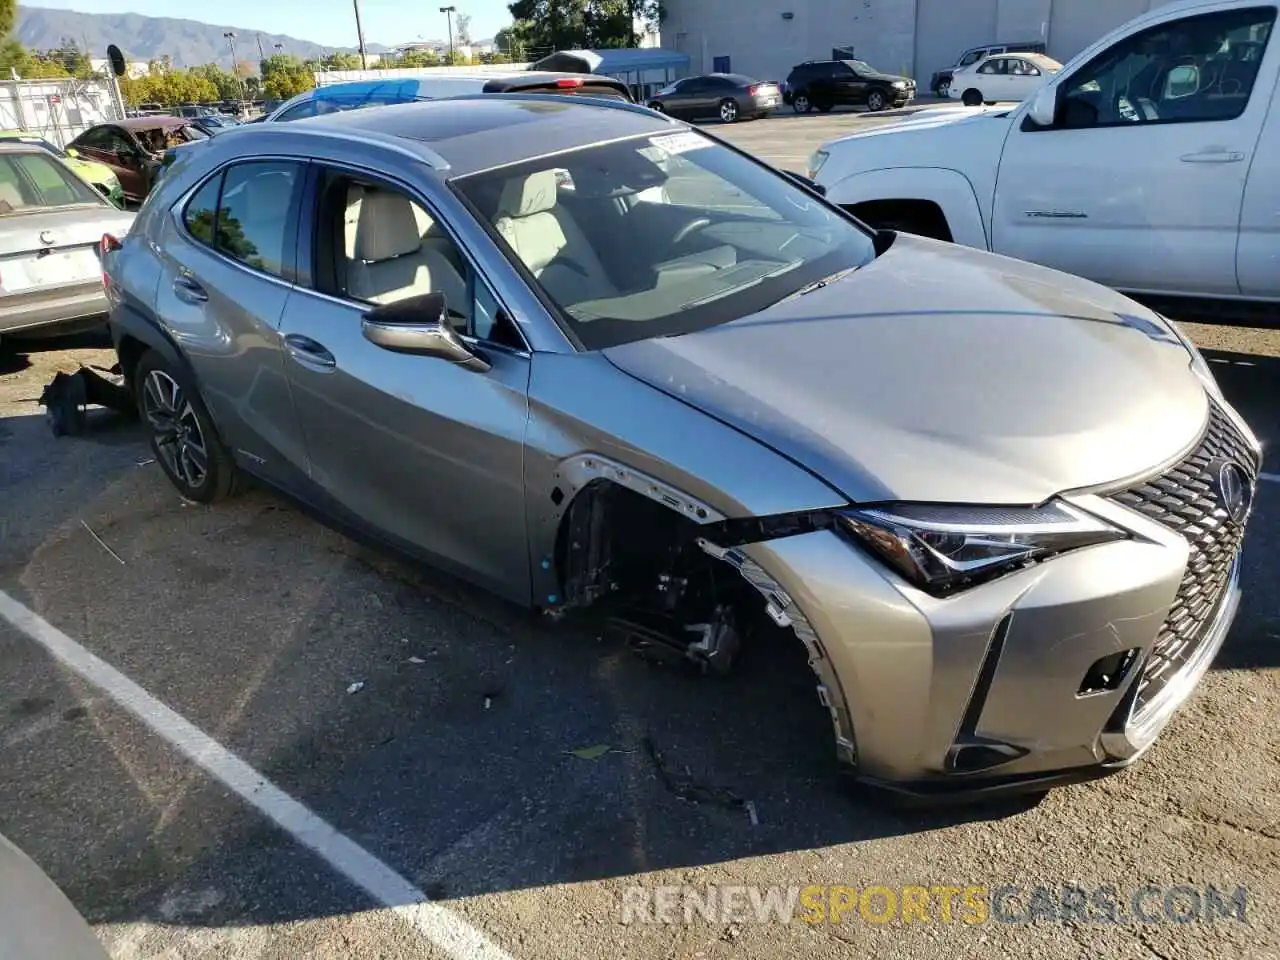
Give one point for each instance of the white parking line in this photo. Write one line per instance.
(448, 931)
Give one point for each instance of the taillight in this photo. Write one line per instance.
(107, 244)
(567, 82)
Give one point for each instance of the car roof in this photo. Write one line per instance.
(478, 132)
(14, 145)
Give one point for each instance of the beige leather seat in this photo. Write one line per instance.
(391, 263)
(549, 242)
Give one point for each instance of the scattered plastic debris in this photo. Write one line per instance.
(146, 463)
(591, 753)
(488, 702)
(751, 812)
(356, 687)
(102, 543)
(415, 660)
(684, 786)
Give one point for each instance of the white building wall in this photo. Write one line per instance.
(915, 37)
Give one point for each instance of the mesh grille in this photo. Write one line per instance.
(1186, 499)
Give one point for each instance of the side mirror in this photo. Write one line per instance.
(805, 182)
(1044, 107)
(420, 325)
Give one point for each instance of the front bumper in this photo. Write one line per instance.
(1060, 672)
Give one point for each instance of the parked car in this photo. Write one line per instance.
(825, 84)
(1002, 78)
(51, 227)
(500, 346)
(728, 96)
(1147, 164)
(99, 175)
(337, 97)
(37, 918)
(134, 148)
(940, 82)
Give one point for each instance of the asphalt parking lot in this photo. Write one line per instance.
(500, 766)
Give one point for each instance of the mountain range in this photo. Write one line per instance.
(187, 42)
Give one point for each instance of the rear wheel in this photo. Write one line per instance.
(183, 437)
(728, 111)
(944, 89)
(972, 98)
(800, 103)
(876, 101)
(825, 107)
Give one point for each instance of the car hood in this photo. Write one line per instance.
(91, 170)
(888, 77)
(940, 373)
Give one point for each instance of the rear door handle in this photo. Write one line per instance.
(1212, 156)
(309, 353)
(188, 291)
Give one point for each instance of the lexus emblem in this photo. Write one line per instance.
(46, 237)
(1233, 489)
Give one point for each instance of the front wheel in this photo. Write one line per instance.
(728, 111)
(972, 98)
(876, 101)
(801, 103)
(182, 434)
(944, 89)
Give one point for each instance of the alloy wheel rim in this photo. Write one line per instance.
(802, 103)
(728, 112)
(175, 428)
(876, 101)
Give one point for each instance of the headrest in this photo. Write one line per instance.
(387, 227)
(536, 193)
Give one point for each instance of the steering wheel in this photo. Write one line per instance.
(683, 233)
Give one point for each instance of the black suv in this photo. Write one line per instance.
(828, 83)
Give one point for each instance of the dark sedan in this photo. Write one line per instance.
(728, 96)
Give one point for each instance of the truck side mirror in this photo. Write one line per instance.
(1044, 107)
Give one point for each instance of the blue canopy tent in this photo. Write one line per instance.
(644, 69)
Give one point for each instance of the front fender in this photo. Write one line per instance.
(949, 189)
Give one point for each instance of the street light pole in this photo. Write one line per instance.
(364, 60)
(231, 42)
(448, 12)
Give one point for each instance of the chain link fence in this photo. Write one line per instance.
(58, 110)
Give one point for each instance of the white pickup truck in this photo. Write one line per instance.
(1150, 163)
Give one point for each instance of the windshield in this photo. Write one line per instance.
(661, 235)
(31, 182)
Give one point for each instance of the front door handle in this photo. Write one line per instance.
(188, 291)
(1212, 156)
(309, 353)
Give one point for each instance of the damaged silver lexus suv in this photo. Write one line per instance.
(589, 357)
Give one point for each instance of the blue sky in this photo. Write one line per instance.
(330, 22)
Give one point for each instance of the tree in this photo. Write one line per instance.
(285, 76)
(8, 18)
(545, 25)
(462, 29)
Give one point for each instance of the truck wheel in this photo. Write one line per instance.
(972, 98)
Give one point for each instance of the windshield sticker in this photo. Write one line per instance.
(677, 143)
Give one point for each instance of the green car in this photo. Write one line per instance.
(99, 175)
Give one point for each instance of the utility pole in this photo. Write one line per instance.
(448, 12)
(364, 60)
(261, 56)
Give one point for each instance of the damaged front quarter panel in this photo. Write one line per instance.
(642, 515)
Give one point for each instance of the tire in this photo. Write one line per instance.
(944, 89)
(728, 111)
(876, 101)
(800, 103)
(182, 434)
(657, 107)
(972, 98)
